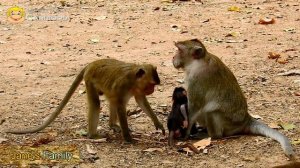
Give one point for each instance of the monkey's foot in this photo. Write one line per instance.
(129, 140)
(158, 125)
(116, 128)
(97, 136)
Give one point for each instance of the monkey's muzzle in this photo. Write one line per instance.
(149, 89)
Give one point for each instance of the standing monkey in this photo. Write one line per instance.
(178, 117)
(118, 81)
(215, 98)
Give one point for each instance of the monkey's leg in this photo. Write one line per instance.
(192, 120)
(214, 124)
(188, 130)
(121, 110)
(171, 138)
(93, 113)
(113, 118)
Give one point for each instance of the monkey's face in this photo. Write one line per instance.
(147, 78)
(179, 95)
(180, 59)
(188, 51)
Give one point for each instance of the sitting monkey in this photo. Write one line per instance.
(215, 99)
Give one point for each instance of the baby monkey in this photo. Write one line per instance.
(178, 117)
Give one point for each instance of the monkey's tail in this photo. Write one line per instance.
(63, 103)
(259, 128)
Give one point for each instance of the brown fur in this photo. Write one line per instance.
(215, 98)
(118, 81)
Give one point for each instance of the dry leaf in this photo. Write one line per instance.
(234, 9)
(290, 49)
(186, 150)
(234, 41)
(90, 150)
(3, 140)
(282, 61)
(256, 116)
(273, 55)
(290, 30)
(274, 126)
(153, 150)
(100, 140)
(100, 18)
(266, 21)
(290, 73)
(287, 126)
(232, 34)
(167, 162)
(43, 140)
(167, 1)
(296, 142)
(250, 158)
(81, 132)
(93, 41)
(202, 143)
(297, 93)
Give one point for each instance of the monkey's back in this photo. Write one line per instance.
(222, 87)
(110, 75)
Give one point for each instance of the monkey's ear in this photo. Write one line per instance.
(196, 40)
(180, 46)
(198, 52)
(140, 72)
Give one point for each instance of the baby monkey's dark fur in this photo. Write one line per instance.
(177, 116)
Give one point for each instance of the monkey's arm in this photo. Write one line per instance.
(144, 105)
(184, 113)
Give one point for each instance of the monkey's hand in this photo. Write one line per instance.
(158, 125)
(185, 124)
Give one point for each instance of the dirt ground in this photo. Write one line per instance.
(40, 59)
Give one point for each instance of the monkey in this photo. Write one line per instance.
(215, 99)
(178, 117)
(293, 164)
(118, 81)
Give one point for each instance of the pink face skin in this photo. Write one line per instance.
(149, 89)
